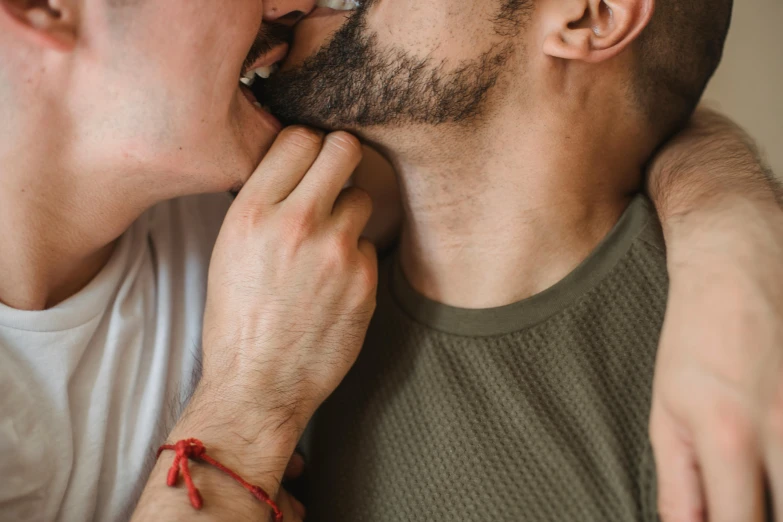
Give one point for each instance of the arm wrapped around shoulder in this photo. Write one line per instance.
(717, 415)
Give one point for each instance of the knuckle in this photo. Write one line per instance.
(368, 278)
(734, 435)
(248, 217)
(299, 225)
(303, 138)
(345, 143)
(338, 253)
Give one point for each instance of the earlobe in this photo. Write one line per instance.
(596, 30)
(47, 23)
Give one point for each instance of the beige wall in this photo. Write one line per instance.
(749, 85)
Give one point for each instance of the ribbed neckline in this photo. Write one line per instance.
(90, 301)
(535, 309)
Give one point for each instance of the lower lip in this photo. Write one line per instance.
(270, 120)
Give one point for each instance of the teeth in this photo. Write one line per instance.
(262, 72)
(339, 5)
(257, 105)
(248, 78)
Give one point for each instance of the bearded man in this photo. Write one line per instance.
(126, 270)
(508, 371)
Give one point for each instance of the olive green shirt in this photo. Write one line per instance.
(533, 411)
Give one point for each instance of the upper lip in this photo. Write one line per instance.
(270, 58)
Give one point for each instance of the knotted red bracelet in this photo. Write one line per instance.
(194, 449)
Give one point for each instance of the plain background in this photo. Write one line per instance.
(749, 84)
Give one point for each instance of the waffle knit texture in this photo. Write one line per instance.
(536, 411)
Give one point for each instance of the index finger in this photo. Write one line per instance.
(334, 166)
(282, 169)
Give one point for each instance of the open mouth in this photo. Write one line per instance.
(251, 82)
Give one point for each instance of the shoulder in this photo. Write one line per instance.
(647, 256)
(651, 234)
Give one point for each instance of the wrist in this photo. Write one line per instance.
(238, 435)
(724, 221)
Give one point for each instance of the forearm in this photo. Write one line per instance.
(723, 225)
(291, 290)
(719, 206)
(257, 451)
(710, 166)
(716, 398)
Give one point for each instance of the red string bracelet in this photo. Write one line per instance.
(194, 449)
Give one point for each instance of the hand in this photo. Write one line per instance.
(717, 414)
(290, 294)
(291, 284)
(716, 424)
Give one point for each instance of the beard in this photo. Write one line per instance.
(353, 82)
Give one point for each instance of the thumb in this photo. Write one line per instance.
(293, 510)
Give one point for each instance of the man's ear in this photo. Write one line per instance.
(47, 23)
(594, 30)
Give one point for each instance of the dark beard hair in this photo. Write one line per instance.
(352, 82)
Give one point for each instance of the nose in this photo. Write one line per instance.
(287, 11)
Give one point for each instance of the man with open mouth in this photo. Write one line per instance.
(519, 315)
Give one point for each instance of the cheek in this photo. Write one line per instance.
(166, 100)
(173, 110)
(450, 30)
(161, 124)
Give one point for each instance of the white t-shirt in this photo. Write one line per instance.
(90, 388)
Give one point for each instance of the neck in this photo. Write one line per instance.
(57, 230)
(504, 213)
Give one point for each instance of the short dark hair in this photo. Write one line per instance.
(677, 54)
